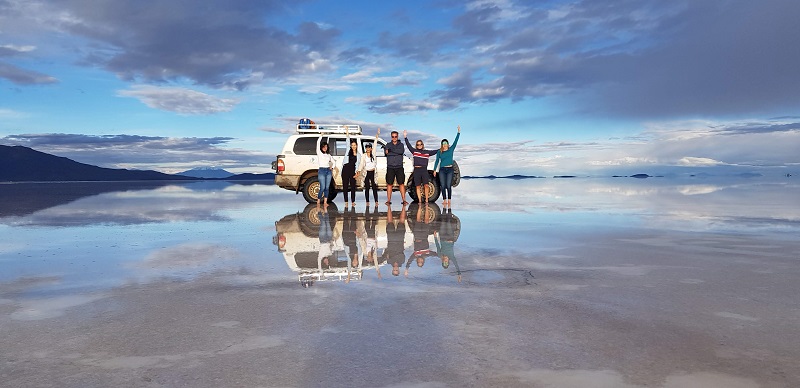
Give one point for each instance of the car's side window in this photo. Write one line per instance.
(379, 149)
(305, 146)
(339, 146)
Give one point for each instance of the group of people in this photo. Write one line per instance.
(359, 243)
(364, 164)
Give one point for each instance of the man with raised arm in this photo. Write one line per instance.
(394, 167)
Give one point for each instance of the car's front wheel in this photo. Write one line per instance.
(311, 190)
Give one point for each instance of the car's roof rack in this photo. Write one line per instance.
(354, 129)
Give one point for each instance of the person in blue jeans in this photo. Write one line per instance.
(325, 172)
(444, 160)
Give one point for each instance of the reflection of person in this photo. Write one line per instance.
(394, 253)
(325, 172)
(368, 241)
(349, 236)
(367, 168)
(421, 229)
(445, 240)
(445, 156)
(349, 169)
(326, 248)
(394, 168)
(420, 174)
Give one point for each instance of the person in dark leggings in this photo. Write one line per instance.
(420, 174)
(367, 168)
(349, 172)
(445, 157)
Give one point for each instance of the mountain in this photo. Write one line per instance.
(207, 172)
(23, 164)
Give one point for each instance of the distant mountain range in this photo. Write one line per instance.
(23, 164)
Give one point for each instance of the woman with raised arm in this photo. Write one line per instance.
(367, 169)
(445, 157)
(349, 172)
(420, 173)
(325, 172)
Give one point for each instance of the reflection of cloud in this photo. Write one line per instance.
(662, 203)
(172, 203)
(36, 309)
(191, 255)
(612, 378)
(698, 189)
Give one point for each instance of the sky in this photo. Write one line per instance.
(539, 88)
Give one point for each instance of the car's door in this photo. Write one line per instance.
(338, 147)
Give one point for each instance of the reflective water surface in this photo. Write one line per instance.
(622, 282)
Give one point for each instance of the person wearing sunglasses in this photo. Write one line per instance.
(420, 174)
(394, 168)
(445, 156)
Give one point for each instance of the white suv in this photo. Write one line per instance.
(296, 167)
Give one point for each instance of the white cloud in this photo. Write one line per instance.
(698, 162)
(11, 114)
(19, 49)
(179, 100)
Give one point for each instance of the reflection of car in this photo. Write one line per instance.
(297, 238)
(296, 167)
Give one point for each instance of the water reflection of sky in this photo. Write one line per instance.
(98, 239)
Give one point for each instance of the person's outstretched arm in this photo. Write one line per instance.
(408, 143)
(453, 146)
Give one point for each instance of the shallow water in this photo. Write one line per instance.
(695, 279)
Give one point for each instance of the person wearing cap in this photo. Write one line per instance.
(367, 170)
(445, 156)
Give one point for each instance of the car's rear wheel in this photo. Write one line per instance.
(456, 174)
(433, 189)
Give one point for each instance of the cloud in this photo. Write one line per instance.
(630, 59)
(696, 162)
(622, 58)
(11, 50)
(289, 125)
(11, 114)
(216, 44)
(143, 152)
(665, 147)
(367, 75)
(21, 76)
(179, 100)
(397, 103)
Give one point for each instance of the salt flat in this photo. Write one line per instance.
(548, 283)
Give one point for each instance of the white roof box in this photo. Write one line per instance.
(329, 128)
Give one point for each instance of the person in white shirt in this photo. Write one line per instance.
(367, 170)
(325, 172)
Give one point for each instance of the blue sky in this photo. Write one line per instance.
(538, 87)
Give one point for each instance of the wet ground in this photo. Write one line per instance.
(523, 283)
